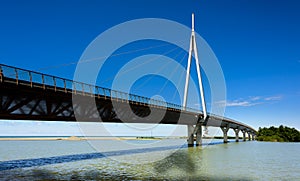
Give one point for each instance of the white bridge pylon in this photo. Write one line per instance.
(198, 128)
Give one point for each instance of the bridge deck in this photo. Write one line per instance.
(28, 95)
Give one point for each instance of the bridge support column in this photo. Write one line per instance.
(253, 137)
(190, 139)
(244, 135)
(199, 135)
(249, 136)
(237, 134)
(225, 131)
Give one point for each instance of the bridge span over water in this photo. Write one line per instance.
(29, 95)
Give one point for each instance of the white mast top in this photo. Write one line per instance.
(192, 21)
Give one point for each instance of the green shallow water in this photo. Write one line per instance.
(233, 161)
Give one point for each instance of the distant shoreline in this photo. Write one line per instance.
(83, 138)
(75, 138)
(71, 138)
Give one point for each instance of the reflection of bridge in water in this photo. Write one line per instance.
(28, 95)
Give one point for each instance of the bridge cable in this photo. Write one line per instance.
(161, 68)
(172, 73)
(137, 66)
(180, 78)
(101, 58)
(96, 59)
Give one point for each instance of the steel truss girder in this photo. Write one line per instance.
(20, 102)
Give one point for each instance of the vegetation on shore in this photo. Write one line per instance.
(281, 134)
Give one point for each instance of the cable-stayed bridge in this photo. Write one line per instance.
(30, 95)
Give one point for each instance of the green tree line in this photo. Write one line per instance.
(281, 134)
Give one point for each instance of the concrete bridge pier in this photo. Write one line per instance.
(244, 135)
(225, 131)
(190, 139)
(199, 135)
(237, 134)
(253, 137)
(249, 136)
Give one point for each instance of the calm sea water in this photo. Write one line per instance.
(78, 160)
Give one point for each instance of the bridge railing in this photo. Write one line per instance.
(47, 82)
(44, 81)
(228, 120)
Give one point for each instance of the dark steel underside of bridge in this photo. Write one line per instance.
(20, 102)
(46, 103)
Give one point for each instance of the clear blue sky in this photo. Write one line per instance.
(257, 43)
